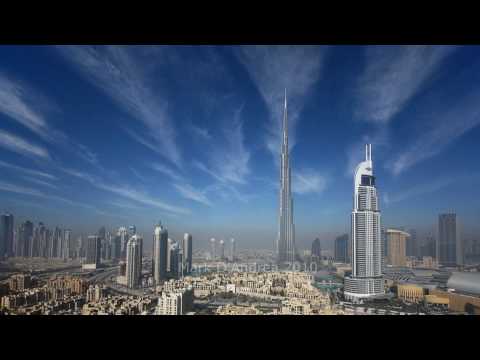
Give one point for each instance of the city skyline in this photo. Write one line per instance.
(115, 136)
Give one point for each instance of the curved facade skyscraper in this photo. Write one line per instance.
(286, 232)
(134, 261)
(160, 249)
(366, 280)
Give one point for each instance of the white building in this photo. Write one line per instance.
(177, 302)
(367, 253)
(134, 261)
(160, 253)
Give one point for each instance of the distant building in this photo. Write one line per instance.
(213, 248)
(132, 230)
(160, 253)
(94, 293)
(232, 250)
(428, 247)
(449, 244)
(6, 235)
(67, 234)
(187, 253)
(221, 249)
(93, 253)
(19, 282)
(341, 249)
(412, 244)
(316, 249)
(123, 234)
(116, 247)
(397, 247)
(25, 239)
(134, 261)
(173, 258)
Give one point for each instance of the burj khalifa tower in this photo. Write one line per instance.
(286, 232)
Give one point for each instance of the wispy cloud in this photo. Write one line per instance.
(23, 104)
(20, 146)
(307, 181)
(12, 188)
(40, 182)
(122, 75)
(161, 168)
(16, 102)
(27, 171)
(188, 192)
(430, 187)
(127, 192)
(393, 75)
(19, 189)
(86, 154)
(228, 159)
(138, 174)
(449, 125)
(199, 132)
(125, 205)
(274, 68)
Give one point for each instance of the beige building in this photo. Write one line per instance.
(412, 293)
(396, 247)
(230, 309)
(458, 302)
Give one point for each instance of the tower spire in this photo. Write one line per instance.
(368, 152)
(285, 121)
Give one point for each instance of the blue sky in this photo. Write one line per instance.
(93, 136)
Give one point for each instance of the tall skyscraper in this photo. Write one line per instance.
(160, 249)
(67, 234)
(221, 249)
(341, 249)
(187, 253)
(123, 233)
(116, 247)
(132, 230)
(428, 248)
(366, 279)
(134, 261)
(397, 241)
(6, 235)
(56, 243)
(25, 239)
(93, 253)
(449, 243)
(286, 232)
(232, 250)
(316, 248)
(42, 239)
(213, 248)
(173, 259)
(412, 244)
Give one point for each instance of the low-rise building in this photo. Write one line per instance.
(177, 302)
